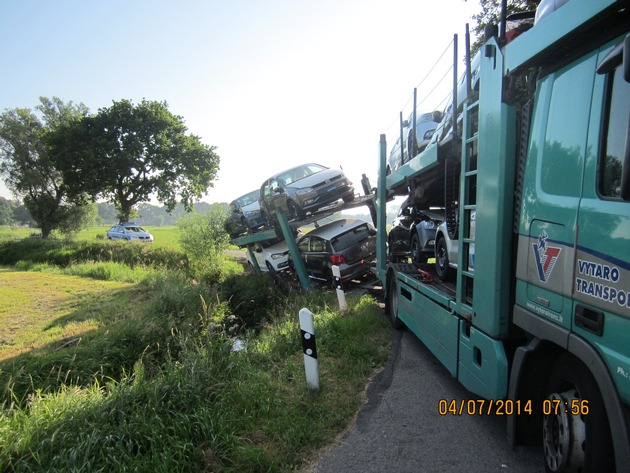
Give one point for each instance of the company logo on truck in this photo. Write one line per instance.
(546, 256)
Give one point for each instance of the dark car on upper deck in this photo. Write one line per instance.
(244, 214)
(303, 189)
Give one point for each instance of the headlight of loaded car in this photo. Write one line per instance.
(303, 191)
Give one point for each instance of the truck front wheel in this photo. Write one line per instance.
(576, 434)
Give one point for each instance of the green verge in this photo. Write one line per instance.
(155, 385)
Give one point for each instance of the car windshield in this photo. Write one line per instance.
(135, 229)
(248, 198)
(298, 173)
(346, 240)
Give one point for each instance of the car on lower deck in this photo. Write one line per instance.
(413, 233)
(303, 189)
(447, 251)
(271, 256)
(347, 243)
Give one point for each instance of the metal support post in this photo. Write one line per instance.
(287, 232)
(381, 215)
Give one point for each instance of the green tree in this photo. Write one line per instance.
(128, 153)
(22, 216)
(490, 14)
(203, 238)
(7, 207)
(82, 216)
(26, 165)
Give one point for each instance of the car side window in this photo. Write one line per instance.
(616, 124)
(274, 185)
(317, 244)
(303, 245)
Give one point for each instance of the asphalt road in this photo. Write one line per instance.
(400, 430)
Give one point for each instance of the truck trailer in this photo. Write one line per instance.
(536, 321)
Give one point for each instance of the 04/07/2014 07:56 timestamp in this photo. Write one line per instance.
(509, 407)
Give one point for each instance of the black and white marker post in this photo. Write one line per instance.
(311, 366)
(341, 295)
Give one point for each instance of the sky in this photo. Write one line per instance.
(270, 83)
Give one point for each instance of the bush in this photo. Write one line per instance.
(251, 297)
(203, 238)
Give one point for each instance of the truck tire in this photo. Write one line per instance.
(442, 267)
(575, 443)
(391, 307)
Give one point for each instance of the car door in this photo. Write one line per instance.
(303, 246)
(276, 197)
(318, 256)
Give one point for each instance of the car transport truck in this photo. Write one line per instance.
(539, 329)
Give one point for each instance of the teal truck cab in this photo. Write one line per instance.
(541, 156)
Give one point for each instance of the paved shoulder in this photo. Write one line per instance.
(400, 428)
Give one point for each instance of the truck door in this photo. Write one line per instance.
(601, 287)
(552, 189)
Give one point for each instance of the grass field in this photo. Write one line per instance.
(165, 237)
(66, 308)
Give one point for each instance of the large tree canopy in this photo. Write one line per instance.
(129, 153)
(26, 165)
(490, 14)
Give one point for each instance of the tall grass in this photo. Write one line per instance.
(63, 253)
(164, 390)
(204, 407)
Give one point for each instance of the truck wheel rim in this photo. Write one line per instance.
(564, 434)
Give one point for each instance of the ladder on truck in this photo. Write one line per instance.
(467, 208)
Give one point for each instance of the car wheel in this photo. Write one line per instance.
(444, 271)
(416, 250)
(579, 442)
(391, 308)
(349, 198)
(295, 212)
